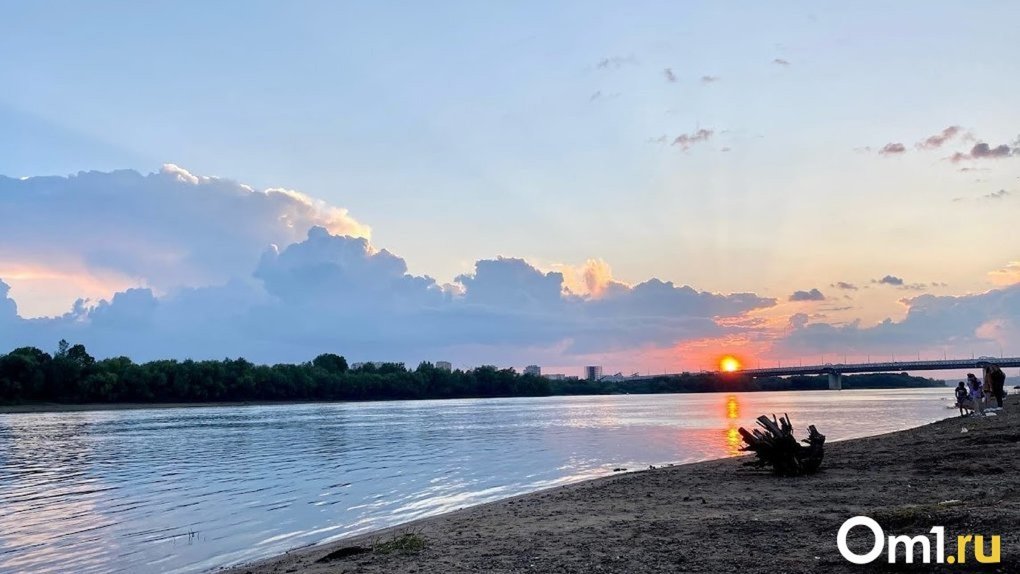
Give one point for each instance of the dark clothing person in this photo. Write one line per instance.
(962, 394)
(998, 383)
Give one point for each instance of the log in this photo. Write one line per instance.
(777, 447)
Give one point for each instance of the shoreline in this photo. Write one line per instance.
(50, 407)
(715, 516)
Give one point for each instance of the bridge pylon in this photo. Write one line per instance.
(835, 381)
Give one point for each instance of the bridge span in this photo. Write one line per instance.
(836, 371)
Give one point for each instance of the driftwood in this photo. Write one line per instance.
(776, 446)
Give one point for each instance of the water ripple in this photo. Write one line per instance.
(188, 490)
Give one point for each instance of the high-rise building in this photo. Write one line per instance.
(593, 372)
(533, 370)
(444, 365)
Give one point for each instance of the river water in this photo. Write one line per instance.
(191, 489)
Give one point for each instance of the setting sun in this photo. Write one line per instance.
(729, 364)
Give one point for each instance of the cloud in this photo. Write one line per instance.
(8, 308)
(978, 322)
(326, 291)
(844, 286)
(982, 150)
(165, 230)
(798, 320)
(592, 279)
(892, 149)
(615, 62)
(685, 141)
(670, 76)
(812, 295)
(709, 79)
(780, 62)
(1008, 275)
(993, 196)
(889, 280)
(936, 141)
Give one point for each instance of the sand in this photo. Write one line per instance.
(722, 516)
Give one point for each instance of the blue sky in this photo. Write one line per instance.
(465, 131)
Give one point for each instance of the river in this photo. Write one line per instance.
(191, 489)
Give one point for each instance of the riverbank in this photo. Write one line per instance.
(717, 516)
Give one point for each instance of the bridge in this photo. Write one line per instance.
(836, 371)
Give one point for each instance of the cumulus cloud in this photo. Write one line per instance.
(889, 280)
(592, 279)
(845, 286)
(936, 141)
(968, 322)
(8, 308)
(812, 295)
(982, 150)
(892, 149)
(685, 141)
(163, 230)
(1002, 193)
(332, 291)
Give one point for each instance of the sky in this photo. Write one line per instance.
(643, 185)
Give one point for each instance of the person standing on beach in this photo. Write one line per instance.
(998, 381)
(975, 393)
(986, 385)
(961, 398)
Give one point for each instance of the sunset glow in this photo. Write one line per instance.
(729, 364)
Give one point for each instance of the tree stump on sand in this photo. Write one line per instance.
(776, 446)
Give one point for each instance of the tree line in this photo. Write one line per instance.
(71, 375)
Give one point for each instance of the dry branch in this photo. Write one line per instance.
(776, 446)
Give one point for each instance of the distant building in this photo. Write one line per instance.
(376, 364)
(593, 372)
(444, 365)
(533, 370)
(555, 376)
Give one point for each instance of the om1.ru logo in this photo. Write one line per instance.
(908, 544)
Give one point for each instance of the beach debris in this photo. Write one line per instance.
(963, 430)
(776, 446)
(342, 553)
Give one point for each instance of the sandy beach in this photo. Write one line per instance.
(719, 516)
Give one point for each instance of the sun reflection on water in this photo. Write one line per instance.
(733, 440)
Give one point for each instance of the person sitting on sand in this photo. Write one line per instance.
(975, 394)
(962, 395)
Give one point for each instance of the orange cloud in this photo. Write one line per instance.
(42, 291)
(1008, 275)
(590, 280)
